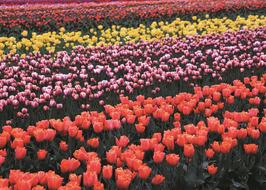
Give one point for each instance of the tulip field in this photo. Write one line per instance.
(133, 94)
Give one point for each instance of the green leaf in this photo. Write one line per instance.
(238, 185)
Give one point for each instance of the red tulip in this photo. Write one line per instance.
(89, 178)
(123, 178)
(250, 148)
(23, 184)
(122, 141)
(93, 142)
(63, 146)
(72, 131)
(20, 153)
(140, 128)
(111, 156)
(2, 160)
(157, 180)
(144, 172)
(54, 181)
(158, 156)
(98, 186)
(41, 154)
(145, 144)
(209, 153)
(212, 169)
(172, 159)
(189, 150)
(107, 171)
(225, 147)
(98, 127)
(3, 141)
(69, 165)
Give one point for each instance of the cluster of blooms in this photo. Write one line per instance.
(51, 17)
(23, 2)
(142, 136)
(86, 74)
(53, 42)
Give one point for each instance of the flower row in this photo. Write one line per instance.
(23, 2)
(215, 130)
(75, 79)
(42, 18)
(54, 42)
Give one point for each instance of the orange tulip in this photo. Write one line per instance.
(212, 169)
(262, 126)
(98, 186)
(38, 187)
(2, 160)
(189, 150)
(23, 185)
(122, 141)
(72, 131)
(172, 159)
(39, 134)
(145, 144)
(169, 141)
(69, 165)
(225, 147)
(123, 178)
(250, 148)
(94, 165)
(157, 180)
(209, 153)
(20, 153)
(144, 172)
(130, 118)
(50, 135)
(107, 171)
(93, 142)
(181, 140)
(89, 178)
(41, 154)
(97, 127)
(158, 156)
(140, 128)
(111, 156)
(242, 133)
(216, 96)
(3, 141)
(157, 136)
(226, 92)
(63, 146)
(54, 181)
(216, 146)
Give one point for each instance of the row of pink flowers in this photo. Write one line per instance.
(88, 74)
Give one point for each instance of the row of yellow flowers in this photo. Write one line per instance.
(56, 41)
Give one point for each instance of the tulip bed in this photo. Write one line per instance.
(52, 42)
(133, 95)
(208, 138)
(40, 18)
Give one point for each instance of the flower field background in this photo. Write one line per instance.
(166, 95)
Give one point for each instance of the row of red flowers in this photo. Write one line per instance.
(144, 143)
(80, 16)
(23, 2)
